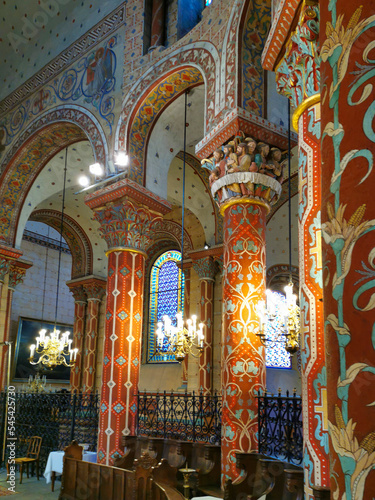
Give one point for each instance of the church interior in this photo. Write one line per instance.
(186, 274)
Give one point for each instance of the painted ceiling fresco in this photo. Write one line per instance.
(33, 33)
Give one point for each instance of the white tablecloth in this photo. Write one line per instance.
(55, 462)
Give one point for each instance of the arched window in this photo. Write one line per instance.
(276, 355)
(166, 298)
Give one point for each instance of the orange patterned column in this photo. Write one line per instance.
(4, 270)
(206, 269)
(80, 303)
(243, 362)
(95, 291)
(185, 362)
(128, 215)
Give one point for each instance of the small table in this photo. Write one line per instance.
(55, 464)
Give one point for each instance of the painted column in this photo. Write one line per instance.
(185, 362)
(127, 223)
(206, 270)
(348, 222)
(4, 270)
(80, 302)
(313, 363)
(95, 290)
(17, 272)
(243, 357)
(298, 78)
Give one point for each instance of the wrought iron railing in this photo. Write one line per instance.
(280, 427)
(57, 417)
(186, 417)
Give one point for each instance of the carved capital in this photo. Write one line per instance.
(4, 268)
(205, 268)
(126, 225)
(78, 293)
(16, 276)
(298, 73)
(95, 291)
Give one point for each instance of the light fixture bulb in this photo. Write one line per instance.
(96, 169)
(121, 159)
(84, 180)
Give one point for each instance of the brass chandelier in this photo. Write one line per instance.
(179, 340)
(53, 349)
(288, 310)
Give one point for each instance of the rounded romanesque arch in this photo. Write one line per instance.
(168, 78)
(40, 141)
(75, 237)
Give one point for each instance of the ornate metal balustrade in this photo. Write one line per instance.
(186, 417)
(57, 417)
(280, 427)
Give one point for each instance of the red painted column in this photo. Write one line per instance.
(347, 34)
(206, 270)
(80, 302)
(4, 270)
(95, 290)
(127, 224)
(314, 373)
(243, 361)
(185, 362)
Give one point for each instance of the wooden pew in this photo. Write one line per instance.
(148, 481)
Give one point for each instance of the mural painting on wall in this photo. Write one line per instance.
(349, 242)
(255, 34)
(91, 81)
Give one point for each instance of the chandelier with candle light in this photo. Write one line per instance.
(286, 310)
(55, 349)
(177, 337)
(179, 340)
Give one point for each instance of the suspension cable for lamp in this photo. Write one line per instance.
(183, 184)
(289, 196)
(61, 236)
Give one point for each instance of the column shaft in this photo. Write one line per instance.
(314, 375)
(121, 350)
(348, 223)
(78, 336)
(243, 363)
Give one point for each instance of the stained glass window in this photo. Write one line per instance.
(276, 355)
(208, 2)
(166, 298)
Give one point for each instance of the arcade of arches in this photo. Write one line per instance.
(91, 81)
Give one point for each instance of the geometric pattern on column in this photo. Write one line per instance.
(121, 361)
(314, 374)
(243, 363)
(80, 302)
(95, 291)
(127, 224)
(206, 269)
(185, 361)
(348, 230)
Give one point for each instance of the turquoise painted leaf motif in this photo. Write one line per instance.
(238, 368)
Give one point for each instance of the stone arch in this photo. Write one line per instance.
(195, 64)
(277, 277)
(75, 237)
(172, 231)
(40, 141)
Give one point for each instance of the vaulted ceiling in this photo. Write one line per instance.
(34, 32)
